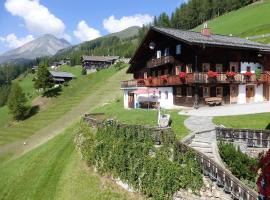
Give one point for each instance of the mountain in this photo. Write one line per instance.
(46, 45)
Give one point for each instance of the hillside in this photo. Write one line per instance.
(122, 44)
(249, 21)
(46, 45)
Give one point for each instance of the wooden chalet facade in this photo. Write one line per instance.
(93, 63)
(184, 68)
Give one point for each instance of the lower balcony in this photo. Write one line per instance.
(190, 78)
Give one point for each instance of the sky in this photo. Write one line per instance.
(75, 20)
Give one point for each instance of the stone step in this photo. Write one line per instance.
(201, 145)
(202, 141)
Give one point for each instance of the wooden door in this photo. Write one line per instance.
(266, 90)
(130, 100)
(250, 93)
(234, 67)
(234, 93)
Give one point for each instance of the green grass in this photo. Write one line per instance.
(254, 121)
(70, 97)
(146, 117)
(54, 171)
(248, 21)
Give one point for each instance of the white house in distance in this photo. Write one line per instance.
(172, 67)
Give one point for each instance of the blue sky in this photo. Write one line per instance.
(23, 20)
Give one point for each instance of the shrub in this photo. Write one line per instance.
(258, 73)
(129, 153)
(240, 164)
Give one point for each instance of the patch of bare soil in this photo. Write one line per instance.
(41, 102)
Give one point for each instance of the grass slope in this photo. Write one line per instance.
(140, 116)
(54, 171)
(254, 121)
(248, 21)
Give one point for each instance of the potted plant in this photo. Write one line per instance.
(230, 75)
(212, 74)
(258, 73)
(164, 79)
(182, 75)
(248, 75)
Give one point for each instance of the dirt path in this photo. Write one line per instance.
(97, 97)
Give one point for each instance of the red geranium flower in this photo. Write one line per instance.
(164, 78)
(212, 74)
(182, 74)
(230, 74)
(249, 74)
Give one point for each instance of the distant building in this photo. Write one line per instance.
(93, 63)
(61, 77)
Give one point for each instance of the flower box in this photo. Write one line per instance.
(248, 74)
(212, 74)
(164, 77)
(231, 74)
(182, 75)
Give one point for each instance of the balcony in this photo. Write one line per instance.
(191, 78)
(160, 61)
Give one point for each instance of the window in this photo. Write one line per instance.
(234, 67)
(178, 49)
(206, 92)
(189, 91)
(166, 95)
(158, 54)
(178, 91)
(205, 67)
(248, 68)
(167, 52)
(219, 68)
(189, 68)
(219, 91)
(166, 71)
(159, 94)
(159, 72)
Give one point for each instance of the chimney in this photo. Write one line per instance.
(206, 31)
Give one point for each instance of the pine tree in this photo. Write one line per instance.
(84, 72)
(43, 79)
(17, 102)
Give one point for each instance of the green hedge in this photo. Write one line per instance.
(129, 153)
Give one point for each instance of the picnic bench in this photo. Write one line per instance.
(213, 101)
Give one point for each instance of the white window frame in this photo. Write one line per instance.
(178, 50)
(219, 66)
(204, 66)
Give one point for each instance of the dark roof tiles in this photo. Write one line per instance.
(213, 39)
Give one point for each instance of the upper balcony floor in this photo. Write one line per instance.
(198, 78)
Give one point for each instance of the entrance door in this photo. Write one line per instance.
(130, 100)
(234, 93)
(250, 93)
(266, 90)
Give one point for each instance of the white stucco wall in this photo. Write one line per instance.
(125, 99)
(253, 66)
(258, 93)
(242, 94)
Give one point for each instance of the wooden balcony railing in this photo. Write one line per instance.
(197, 77)
(160, 61)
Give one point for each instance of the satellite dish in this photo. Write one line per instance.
(152, 45)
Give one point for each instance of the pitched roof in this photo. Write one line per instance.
(62, 74)
(100, 58)
(212, 40)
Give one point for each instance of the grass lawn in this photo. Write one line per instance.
(95, 86)
(247, 21)
(146, 117)
(55, 171)
(254, 121)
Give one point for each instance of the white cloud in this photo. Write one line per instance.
(37, 18)
(113, 25)
(85, 33)
(12, 41)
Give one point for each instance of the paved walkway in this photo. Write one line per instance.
(205, 138)
(227, 110)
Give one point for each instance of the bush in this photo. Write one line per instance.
(240, 164)
(129, 153)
